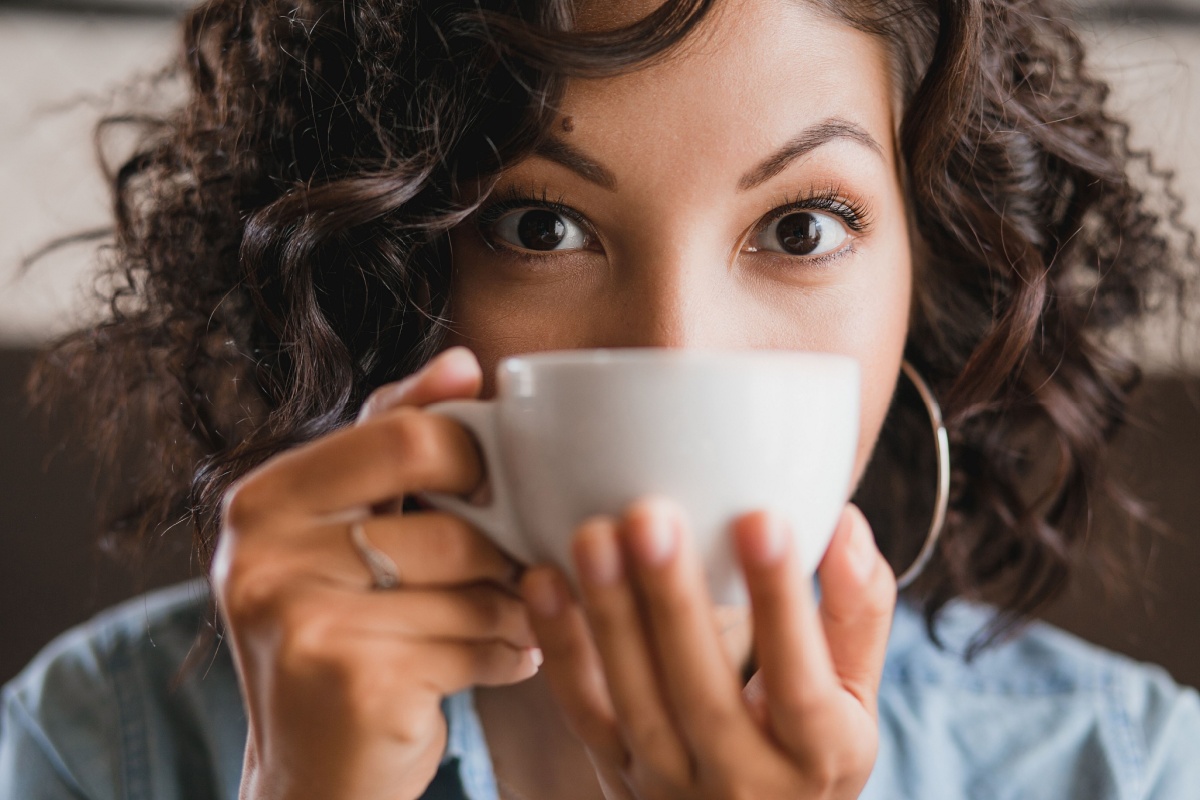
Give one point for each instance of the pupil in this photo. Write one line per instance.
(800, 234)
(541, 230)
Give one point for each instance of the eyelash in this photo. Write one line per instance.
(512, 198)
(853, 213)
(832, 200)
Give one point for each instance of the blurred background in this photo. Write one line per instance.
(65, 63)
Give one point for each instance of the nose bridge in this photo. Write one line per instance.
(669, 299)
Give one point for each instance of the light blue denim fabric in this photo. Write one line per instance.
(102, 714)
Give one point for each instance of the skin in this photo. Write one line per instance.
(343, 685)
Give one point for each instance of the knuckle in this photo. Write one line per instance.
(823, 772)
(883, 592)
(800, 703)
(877, 601)
(654, 742)
(414, 723)
(221, 570)
(305, 643)
(247, 590)
(410, 436)
(838, 767)
(881, 585)
(825, 769)
(241, 505)
(393, 697)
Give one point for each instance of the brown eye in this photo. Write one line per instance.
(804, 233)
(539, 229)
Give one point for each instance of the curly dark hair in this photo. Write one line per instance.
(280, 247)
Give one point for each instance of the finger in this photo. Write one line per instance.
(445, 667)
(703, 688)
(858, 597)
(474, 613)
(401, 451)
(789, 645)
(455, 666)
(453, 374)
(572, 665)
(617, 628)
(429, 549)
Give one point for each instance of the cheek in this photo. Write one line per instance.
(879, 348)
(880, 375)
(496, 317)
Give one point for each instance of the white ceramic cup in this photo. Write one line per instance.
(571, 434)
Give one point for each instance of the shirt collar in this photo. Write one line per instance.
(466, 743)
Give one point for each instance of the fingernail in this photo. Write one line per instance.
(457, 359)
(535, 654)
(863, 553)
(541, 592)
(655, 533)
(599, 554)
(384, 398)
(767, 544)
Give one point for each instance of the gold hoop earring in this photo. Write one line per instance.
(942, 499)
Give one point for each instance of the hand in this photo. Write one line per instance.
(642, 679)
(343, 684)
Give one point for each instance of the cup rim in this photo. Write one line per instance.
(657, 355)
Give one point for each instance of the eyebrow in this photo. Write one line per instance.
(824, 132)
(560, 152)
(805, 142)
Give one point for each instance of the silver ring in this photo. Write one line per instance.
(384, 573)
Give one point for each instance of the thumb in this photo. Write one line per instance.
(858, 596)
(453, 374)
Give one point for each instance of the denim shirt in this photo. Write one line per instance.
(104, 712)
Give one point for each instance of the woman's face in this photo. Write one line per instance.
(743, 194)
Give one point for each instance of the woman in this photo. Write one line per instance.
(353, 188)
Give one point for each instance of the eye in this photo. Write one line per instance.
(539, 229)
(802, 233)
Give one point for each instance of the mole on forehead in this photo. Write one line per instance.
(568, 124)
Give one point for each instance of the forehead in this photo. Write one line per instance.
(754, 74)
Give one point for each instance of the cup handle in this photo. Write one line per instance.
(497, 519)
